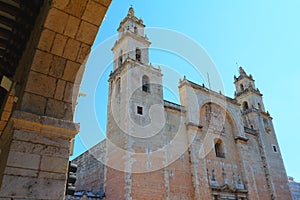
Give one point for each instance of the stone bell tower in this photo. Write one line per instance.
(256, 118)
(135, 85)
(135, 103)
(132, 42)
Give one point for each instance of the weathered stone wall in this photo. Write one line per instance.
(241, 172)
(38, 157)
(250, 167)
(90, 171)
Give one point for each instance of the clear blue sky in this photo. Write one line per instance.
(261, 36)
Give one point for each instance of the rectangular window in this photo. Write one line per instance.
(145, 88)
(218, 150)
(138, 54)
(139, 110)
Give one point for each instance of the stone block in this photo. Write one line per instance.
(54, 164)
(32, 188)
(2, 125)
(76, 7)
(60, 89)
(45, 124)
(70, 72)
(55, 109)
(57, 66)
(33, 103)
(40, 149)
(68, 97)
(21, 172)
(23, 160)
(56, 20)
(5, 115)
(72, 26)
(87, 32)
(59, 44)
(9, 103)
(59, 109)
(60, 4)
(40, 84)
(46, 40)
(83, 53)
(41, 62)
(71, 49)
(59, 176)
(94, 13)
(70, 108)
(104, 2)
(41, 139)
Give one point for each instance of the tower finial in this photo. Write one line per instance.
(130, 11)
(242, 71)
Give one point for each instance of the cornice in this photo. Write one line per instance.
(44, 125)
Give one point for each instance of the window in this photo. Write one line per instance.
(259, 106)
(274, 148)
(242, 87)
(135, 30)
(138, 54)
(139, 110)
(145, 84)
(219, 149)
(121, 58)
(245, 105)
(266, 122)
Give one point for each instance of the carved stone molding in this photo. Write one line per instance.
(44, 125)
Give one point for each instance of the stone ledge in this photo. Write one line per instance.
(44, 124)
(250, 131)
(241, 139)
(191, 124)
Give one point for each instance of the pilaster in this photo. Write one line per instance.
(38, 156)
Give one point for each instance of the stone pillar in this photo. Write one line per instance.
(34, 145)
(38, 156)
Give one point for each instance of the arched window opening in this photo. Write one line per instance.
(135, 29)
(118, 87)
(242, 87)
(245, 105)
(259, 106)
(138, 54)
(145, 84)
(219, 149)
(121, 58)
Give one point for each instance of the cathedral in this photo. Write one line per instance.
(209, 147)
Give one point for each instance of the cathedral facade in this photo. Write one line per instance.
(209, 147)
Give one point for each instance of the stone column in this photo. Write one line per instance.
(38, 156)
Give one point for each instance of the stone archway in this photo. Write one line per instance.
(38, 127)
